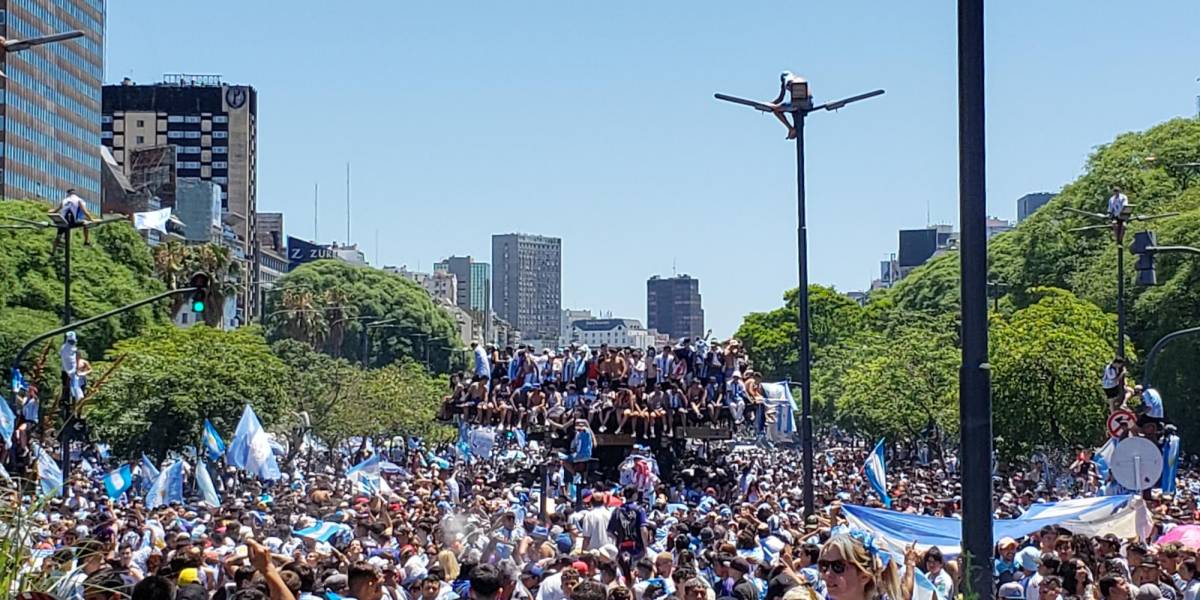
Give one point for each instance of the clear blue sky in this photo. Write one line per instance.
(595, 122)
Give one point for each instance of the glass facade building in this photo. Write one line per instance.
(51, 101)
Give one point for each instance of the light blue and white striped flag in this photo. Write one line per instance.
(1102, 456)
(49, 475)
(214, 446)
(205, 485)
(167, 487)
(876, 471)
(8, 422)
(1170, 464)
(250, 449)
(149, 471)
(118, 481)
(923, 588)
(778, 398)
(323, 531)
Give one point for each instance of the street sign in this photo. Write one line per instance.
(1136, 463)
(1119, 422)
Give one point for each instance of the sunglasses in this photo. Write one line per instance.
(837, 566)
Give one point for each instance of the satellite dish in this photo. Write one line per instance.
(1136, 463)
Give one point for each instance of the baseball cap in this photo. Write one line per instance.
(1012, 591)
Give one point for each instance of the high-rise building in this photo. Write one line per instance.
(272, 248)
(527, 283)
(473, 287)
(213, 127)
(673, 306)
(51, 113)
(1030, 202)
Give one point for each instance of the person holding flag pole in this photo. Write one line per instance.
(875, 469)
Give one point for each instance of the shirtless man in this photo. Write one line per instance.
(537, 405)
(656, 410)
(651, 368)
(624, 406)
(476, 399)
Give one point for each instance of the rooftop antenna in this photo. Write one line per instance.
(927, 220)
(347, 202)
(316, 210)
(673, 271)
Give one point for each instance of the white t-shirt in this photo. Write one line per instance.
(594, 526)
(551, 588)
(1110, 378)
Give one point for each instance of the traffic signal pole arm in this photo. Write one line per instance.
(1173, 249)
(16, 364)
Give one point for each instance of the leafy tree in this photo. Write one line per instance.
(904, 379)
(772, 339)
(115, 270)
(171, 379)
(327, 304)
(1046, 362)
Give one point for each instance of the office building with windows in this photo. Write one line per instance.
(213, 128)
(1030, 202)
(473, 285)
(673, 306)
(51, 110)
(527, 283)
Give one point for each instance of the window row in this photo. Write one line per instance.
(42, 140)
(56, 121)
(69, 51)
(55, 169)
(58, 24)
(19, 75)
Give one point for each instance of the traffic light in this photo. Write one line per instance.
(1143, 242)
(200, 282)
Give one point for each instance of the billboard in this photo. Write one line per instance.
(917, 245)
(302, 251)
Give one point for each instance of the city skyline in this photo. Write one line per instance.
(649, 167)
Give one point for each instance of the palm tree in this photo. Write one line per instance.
(302, 317)
(218, 262)
(170, 259)
(335, 301)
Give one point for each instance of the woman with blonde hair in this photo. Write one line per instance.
(449, 564)
(854, 567)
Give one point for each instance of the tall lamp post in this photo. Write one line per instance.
(799, 106)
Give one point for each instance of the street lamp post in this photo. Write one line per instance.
(799, 106)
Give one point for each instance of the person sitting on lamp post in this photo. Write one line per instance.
(1117, 203)
(75, 213)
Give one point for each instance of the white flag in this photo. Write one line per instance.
(155, 219)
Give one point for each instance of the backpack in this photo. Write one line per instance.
(627, 532)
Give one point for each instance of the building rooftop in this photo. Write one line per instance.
(606, 324)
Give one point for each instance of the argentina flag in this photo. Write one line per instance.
(923, 588)
(250, 449)
(323, 531)
(167, 487)
(8, 422)
(205, 485)
(782, 405)
(876, 471)
(50, 476)
(214, 446)
(1170, 464)
(117, 481)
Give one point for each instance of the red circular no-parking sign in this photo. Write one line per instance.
(1120, 421)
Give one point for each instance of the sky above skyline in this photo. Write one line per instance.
(596, 123)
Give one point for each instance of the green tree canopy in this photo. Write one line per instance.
(327, 303)
(773, 338)
(1046, 362)
(115, 270)
(171, 379)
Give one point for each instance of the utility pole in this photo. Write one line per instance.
(974, 385)
(799, 106)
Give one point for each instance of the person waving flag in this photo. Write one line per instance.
(876, 471)
(214, 446)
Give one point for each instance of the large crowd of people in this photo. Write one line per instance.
(646, 393)
(515, 521)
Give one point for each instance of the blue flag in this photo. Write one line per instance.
(167, 487)
(149, 471)
(214, 446)
(18, 381)
(118, 481)
(49, 475)
(8, 422)
(1170, 464)
(250, 449)
(876, 470)
(521, 439)
(205, 485)
(323, 531)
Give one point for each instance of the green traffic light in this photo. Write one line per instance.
(198, 306)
